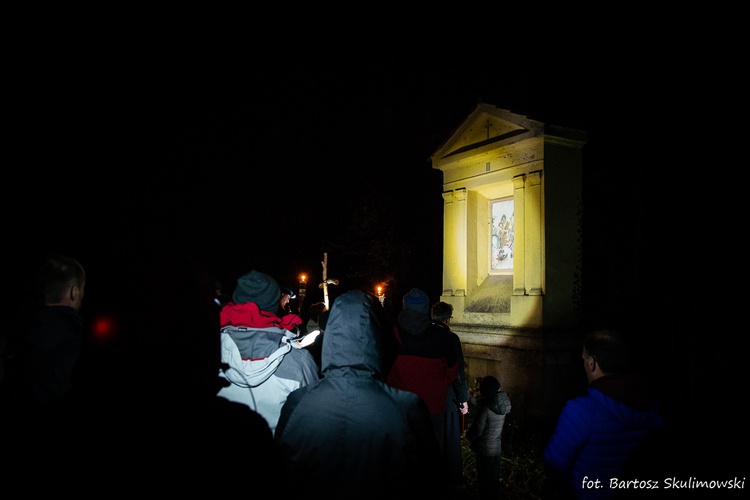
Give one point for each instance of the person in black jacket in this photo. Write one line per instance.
(45, 353)
(350, 435)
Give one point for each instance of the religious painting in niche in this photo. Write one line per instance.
(501, 250)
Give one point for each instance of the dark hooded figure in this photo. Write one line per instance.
(350, 435)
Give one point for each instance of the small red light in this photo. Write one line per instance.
(103, 327)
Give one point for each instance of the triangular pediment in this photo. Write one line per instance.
(487, 126)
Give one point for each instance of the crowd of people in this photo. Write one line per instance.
(372, 408)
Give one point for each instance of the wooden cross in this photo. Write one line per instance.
(325, 279)
(487, 126)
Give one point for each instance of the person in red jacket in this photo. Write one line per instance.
(426, 361)
(457, 399)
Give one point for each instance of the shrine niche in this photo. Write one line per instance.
(511, 246)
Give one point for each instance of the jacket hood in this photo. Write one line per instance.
(495, 403)
(251, 372)
(413, 322)
(353, 340)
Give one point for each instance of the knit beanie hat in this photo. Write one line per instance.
(418, 301)
(259, 288)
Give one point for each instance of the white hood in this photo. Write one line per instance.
(249, 373)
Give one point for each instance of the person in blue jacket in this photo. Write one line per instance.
(596, 433)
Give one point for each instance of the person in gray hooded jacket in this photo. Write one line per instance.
(262, 363)
(485, 435)
(350, 435)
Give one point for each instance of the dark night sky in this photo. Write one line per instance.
(268, 148)
(260, 160)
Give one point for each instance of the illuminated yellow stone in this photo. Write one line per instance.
(511, 195)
